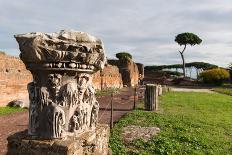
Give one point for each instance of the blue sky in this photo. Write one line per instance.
(145, 28)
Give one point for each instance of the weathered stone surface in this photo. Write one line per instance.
(133, 132)
(88, 143)
(62, 96)
(151, 97)
(65, 46)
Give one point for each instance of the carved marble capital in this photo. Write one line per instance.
(62, 96)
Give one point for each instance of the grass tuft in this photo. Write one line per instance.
(8, 110)
(106, 92)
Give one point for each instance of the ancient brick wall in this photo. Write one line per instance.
(109, 77)
(129, 71)
(141, 70)
(14, 79)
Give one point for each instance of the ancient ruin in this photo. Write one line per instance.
(14, 78)
(62, 97)
(151, 97)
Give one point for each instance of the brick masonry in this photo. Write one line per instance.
(129, 70)
(14, 77)
(108, 78)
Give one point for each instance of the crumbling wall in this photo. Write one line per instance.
(109, 77)
(13, 79)
(141, 70)
(129, 71)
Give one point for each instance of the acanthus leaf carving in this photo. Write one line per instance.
(62, 97)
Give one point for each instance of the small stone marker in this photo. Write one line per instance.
(151, 97)
(165, 89)
(63, 107)
(160, 91)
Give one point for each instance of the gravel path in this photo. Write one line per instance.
(203, 90)
(123, 103)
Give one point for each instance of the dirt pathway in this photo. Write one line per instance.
(203, 90)
(123, 103)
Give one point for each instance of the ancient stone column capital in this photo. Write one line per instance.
(64, 50)
(62, 97)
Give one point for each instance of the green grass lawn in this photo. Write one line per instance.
(8, 110)
(190, 123)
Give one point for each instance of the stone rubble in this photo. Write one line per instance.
(131, 133)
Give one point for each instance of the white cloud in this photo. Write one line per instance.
(145, 28)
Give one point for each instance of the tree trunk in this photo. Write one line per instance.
(183, 61)
(182, 57)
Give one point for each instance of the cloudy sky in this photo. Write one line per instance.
(145, 28)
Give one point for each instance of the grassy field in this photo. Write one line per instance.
(190, 123)
(9, 110)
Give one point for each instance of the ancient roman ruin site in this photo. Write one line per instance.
(115, 77)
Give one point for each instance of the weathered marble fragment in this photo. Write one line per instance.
(62, 97)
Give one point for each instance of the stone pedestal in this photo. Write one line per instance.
(151, 97)
(89, 143)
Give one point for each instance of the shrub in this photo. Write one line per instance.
(215, 76)
(2, 53)
(123, 55)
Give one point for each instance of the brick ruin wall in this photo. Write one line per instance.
(129, 70)
(141, 70)
(14, 79)
(109, 77)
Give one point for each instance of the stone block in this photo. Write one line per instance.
(89, 143)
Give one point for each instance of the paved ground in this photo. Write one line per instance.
(204, 90)
(123, 103)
